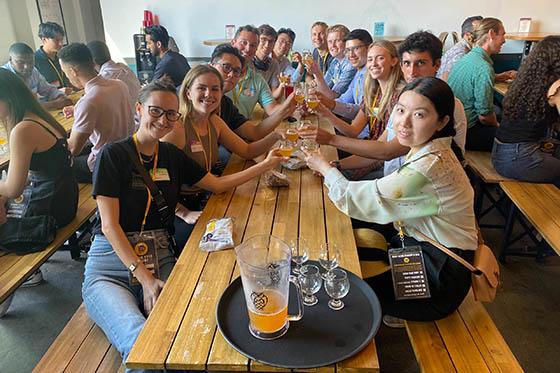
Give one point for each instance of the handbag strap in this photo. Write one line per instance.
(165, 213)
(469, 266)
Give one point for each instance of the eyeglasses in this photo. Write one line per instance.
(229, 68)
(157, 112)
(244, 43)
(353, 49)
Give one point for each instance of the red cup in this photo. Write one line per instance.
(288, 90)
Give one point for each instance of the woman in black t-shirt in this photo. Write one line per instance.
(119, 288)
(524, 148)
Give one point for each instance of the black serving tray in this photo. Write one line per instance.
(322, 337)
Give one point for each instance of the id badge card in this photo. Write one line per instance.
(161, 174)
(196, 147)
(409, 273)
(145, 247)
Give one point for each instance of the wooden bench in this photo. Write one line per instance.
(80, 347)
(484, 177)
(17, 268)
(465, 341)
(540, 204)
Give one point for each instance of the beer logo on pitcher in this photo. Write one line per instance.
(260, 300)
(273, 273)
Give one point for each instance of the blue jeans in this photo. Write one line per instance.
(525, 161)
(114, 305)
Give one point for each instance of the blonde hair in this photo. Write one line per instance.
(339, 28)
(185, 105)
(320, 23)
(372, 85)
(480, 32)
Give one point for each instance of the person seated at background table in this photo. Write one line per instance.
(102, 115)
(252, 87)
(229, 63)
(22, 63)
(202, 131)
(340, 73)
(283, 45)
(472, 81)
(41, 188)
(266, 65)
(456, 52)
(110, 69)
(419, 55)
(320, 48)
(356, 48)
(172, 64)
(118, 306)
(46, 59)
(430, 194)
(520, 151)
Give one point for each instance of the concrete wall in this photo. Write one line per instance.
(191, 21)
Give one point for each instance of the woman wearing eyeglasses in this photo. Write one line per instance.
(122, 281)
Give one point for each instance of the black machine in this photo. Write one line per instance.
(506, 61)
(145, 61)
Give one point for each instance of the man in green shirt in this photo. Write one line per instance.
(472, 82)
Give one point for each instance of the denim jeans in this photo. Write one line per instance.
(114, 305)
(525, 161)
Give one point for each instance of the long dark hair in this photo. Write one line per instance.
(526, 98)
(20, 100)
(441, 96)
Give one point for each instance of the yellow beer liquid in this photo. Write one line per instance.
(273, 316)
(312, 104)
(291, 135)
(285, 152)
(284, 79)
(299, 99)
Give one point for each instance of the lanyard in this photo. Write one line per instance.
(237, 93)
(324, 67)
(358, 88)
(401, 232)
(373, 116)
(149, 202)
(207, 161)
(57, 72)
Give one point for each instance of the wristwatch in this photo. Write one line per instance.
(134, 265)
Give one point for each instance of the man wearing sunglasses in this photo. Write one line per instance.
(348, 104)
(102, 115)
(229, 62)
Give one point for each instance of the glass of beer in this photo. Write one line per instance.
(292, 134)
(299, 96)
(286, 148)
(312, 101)
(264, 263)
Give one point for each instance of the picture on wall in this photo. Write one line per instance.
(51, 11)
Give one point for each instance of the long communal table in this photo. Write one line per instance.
(57, 114)
(181, 331)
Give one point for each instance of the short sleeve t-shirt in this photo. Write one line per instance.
(252, 88)
(230, 114)
(114, 176)
(174, 65)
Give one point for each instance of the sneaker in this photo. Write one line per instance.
(393, 322)
(5, 305)
(35, 279)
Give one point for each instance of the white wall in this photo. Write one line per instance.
(191, 21)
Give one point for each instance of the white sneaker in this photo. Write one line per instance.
(5, 305)
(393, 322)
(35, 279)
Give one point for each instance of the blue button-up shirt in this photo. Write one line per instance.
(38, 84)
(340, 75)
(348, 104)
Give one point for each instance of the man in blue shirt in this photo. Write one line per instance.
(22, 63)
(348, 104)
(320, 52)
(172, 64)
(340, 72)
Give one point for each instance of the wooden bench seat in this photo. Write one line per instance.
(540, 204)
(80, 347)
(484, 177)
(465, 341)
(15, 269)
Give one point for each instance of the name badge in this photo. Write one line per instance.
(161, 174)
(249, 92)
(145, 247)
(409, 273)
(196, 147)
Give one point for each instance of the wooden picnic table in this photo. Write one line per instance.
(181, 331)
(57, 114)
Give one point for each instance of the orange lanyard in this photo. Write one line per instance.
(237, 93)
(373, 116)
(358, 88)
(324, 69)
(207, 161)
(149, 202)
(57, 72)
